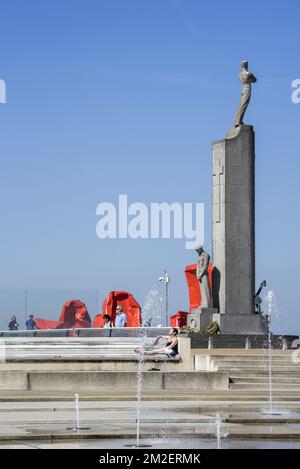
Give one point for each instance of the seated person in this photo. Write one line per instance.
(170, 349)
(107, 322)
(121, 318)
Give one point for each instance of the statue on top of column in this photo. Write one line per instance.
(246, 78)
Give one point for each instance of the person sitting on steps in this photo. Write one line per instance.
(170, 349)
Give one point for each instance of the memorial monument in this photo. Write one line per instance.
(233, 227)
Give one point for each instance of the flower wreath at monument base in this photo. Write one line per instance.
(212, 329)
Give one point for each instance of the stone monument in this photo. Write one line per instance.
(233, 223)
(233, 231)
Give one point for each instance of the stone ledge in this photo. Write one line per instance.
(101, 380)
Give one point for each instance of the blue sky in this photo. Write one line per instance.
(126, 96)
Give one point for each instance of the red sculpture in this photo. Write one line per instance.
(193, 284)
(179, 319)
(130, 306)
(74, 315)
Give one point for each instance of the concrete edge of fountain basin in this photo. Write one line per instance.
(92, 435)
(258, 398)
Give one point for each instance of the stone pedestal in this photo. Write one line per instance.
(233, 232)
(200, 318)
(249, 324)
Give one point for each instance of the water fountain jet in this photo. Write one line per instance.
(271, 303)
(77, 410)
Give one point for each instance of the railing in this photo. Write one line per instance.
(90, 332)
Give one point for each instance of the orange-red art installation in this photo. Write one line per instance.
(74, 315)
(130, 306)
(193, 284)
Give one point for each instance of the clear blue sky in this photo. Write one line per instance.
(125, 96)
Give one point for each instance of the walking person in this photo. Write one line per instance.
(13, 325)
(30, 323)
(107, 322)
(121, 318)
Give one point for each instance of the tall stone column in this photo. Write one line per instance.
(233, 232)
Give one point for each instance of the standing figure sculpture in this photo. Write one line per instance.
(246, 79)
(202, 275)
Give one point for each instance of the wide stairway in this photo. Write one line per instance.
(101, 363)
(37, 395)
(71, 348)
(250, 369)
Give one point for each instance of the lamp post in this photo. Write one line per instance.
(26, 306)
(165, 279)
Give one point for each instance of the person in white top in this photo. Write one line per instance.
(107, 322)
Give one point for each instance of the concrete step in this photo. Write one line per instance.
(70, 343)
(157, 362)
(129, 346)
(248, 363)
(100, 416)
(260, 366)
(259, 360)
(225, 355)
(121, 362)
(214, 399)
(95, 380)
(252, 358)
(229, 341)
(261, 386)
(256, 371)
(265, 379)
(71, 349)
(252, 369)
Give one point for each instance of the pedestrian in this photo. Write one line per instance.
(107, 322)
(13, 325)
(121, 318)
(30, 323)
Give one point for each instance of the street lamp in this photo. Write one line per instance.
(166, 280)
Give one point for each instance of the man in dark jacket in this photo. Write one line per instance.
(13, 325)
